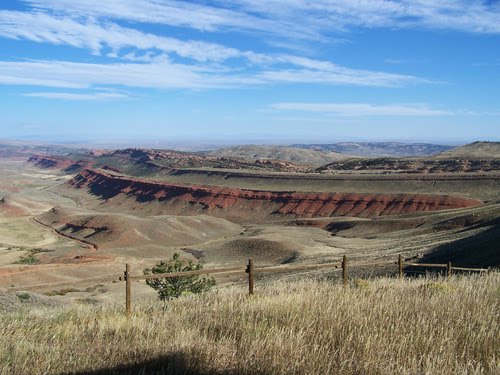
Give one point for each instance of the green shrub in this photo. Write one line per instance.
(174, 287)
(28, 259)
(24, 296)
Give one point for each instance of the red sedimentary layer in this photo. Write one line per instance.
(230, 202)
(55, 162)
(49, 162)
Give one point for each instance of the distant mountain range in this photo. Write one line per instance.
(379, 149)
(17, 149)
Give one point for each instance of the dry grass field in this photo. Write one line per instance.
(378, 326)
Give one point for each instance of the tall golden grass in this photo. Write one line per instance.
(380, 326)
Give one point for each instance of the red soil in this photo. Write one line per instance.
(80, 259)
(191, 199)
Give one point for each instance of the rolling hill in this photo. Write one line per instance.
(477, 157)
(476, 150)
(290, 154)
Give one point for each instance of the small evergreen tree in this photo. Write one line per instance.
(173, 287)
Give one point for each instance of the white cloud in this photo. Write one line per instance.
(85, 75)
(339, 76)
(14, 75)
(161, 61)
(341, 15)
(88, 33)
(98, 96)
(166, 74)
(178, 14)
(362, 109)
(293, 18)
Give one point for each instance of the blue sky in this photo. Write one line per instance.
(250, 71)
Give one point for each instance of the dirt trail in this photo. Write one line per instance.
(87, 244)
(76, 282)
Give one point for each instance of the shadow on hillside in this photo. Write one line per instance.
(479, 250)
(171, 364)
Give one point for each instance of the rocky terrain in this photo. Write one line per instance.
(52, 162)
(243, 205)
(386, 165)
(477, 157)
(149, 162)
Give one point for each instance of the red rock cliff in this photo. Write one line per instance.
(242, 204)
(50, 162)
(59, 162)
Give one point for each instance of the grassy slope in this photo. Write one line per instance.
(292, 154)
(487, 150)
(382, 326)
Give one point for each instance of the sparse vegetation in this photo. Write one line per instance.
(28, 259)
(380, 326)
(62, 292)
(174, 287)
(23, 296)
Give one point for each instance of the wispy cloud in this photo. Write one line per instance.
(166, 74)
(88, 33)
(280, 16)
(97, 96)
(362, 109)
(221, 16)
(166, 62)
(341, 15)
(85, 75)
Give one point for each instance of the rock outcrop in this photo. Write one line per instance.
(59, 162)
(253, 205)
(50, 162)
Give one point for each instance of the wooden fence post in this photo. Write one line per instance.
(250, 276)
(448, 269)
(344, 270)
(400, 264)
(128, 287)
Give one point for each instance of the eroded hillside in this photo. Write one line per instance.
(251, 205)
